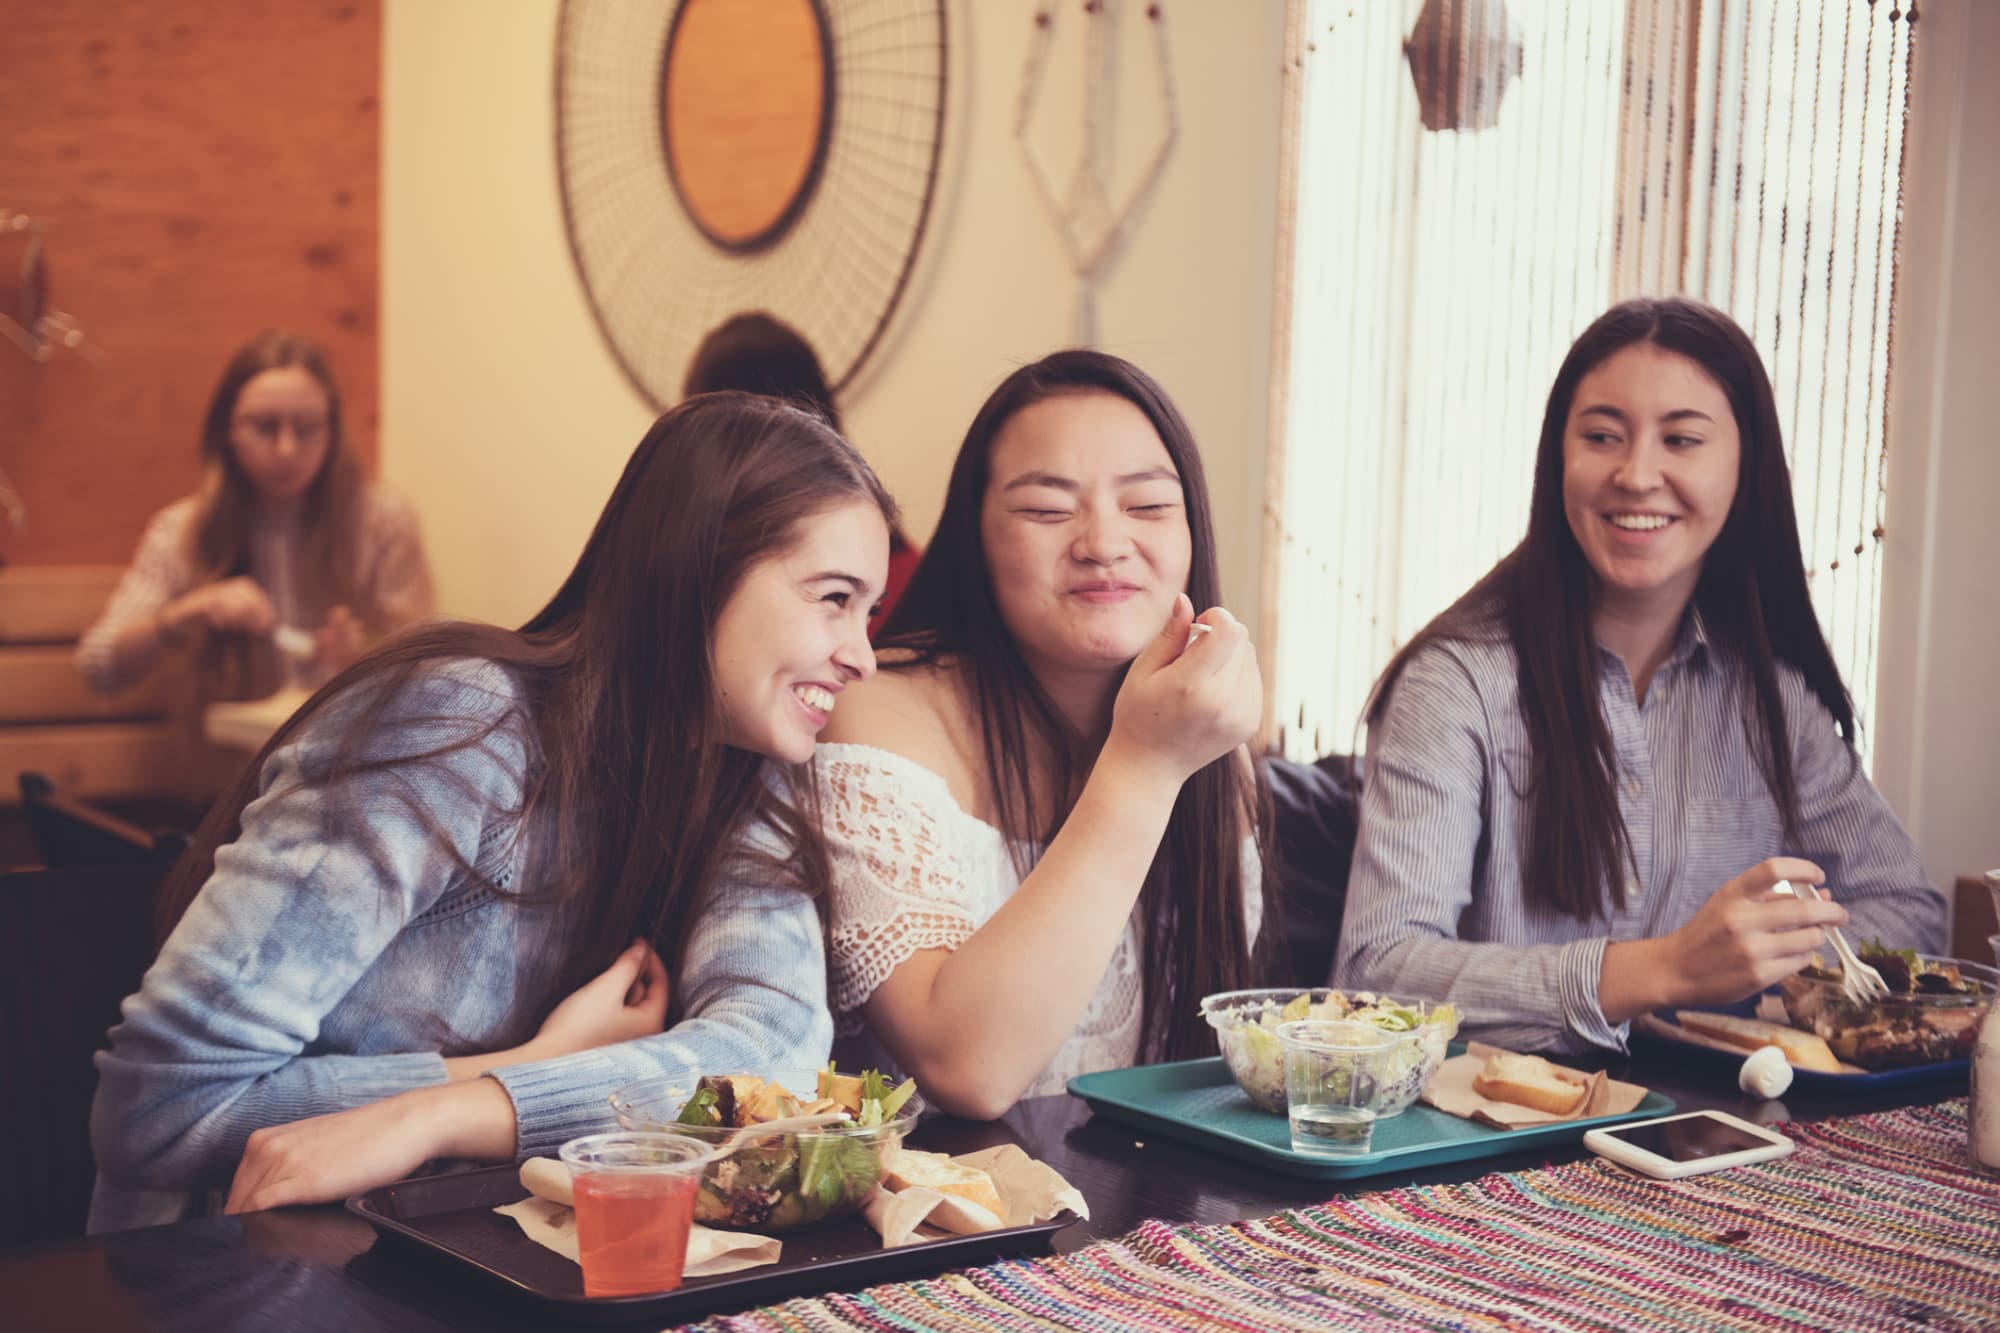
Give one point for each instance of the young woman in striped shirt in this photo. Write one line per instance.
(1585, 778)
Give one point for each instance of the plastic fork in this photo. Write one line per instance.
(1861, 983)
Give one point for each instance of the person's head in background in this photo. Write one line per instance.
(272, 442)
(756, 352)
(1076, 512)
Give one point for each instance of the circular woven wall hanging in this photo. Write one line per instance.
(718, 156)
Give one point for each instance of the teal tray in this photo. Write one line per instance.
(1197, 1102)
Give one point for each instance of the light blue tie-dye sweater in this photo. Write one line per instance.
(318, 970)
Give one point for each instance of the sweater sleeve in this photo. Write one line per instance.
(299, 907)
(161, 570)
(753, 976)
(398, 577)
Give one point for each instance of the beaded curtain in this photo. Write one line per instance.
(1746, 152)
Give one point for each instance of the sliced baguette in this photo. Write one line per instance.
(1529, 1080)
(934, 1170)
(1803, 1050)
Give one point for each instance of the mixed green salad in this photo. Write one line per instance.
(795, 1178)
(1246, 1027)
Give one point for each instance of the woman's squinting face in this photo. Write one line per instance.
(280, 432)
(794, 634)
(1650, 461)
(1085, 529)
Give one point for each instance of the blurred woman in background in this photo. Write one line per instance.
(286, 563)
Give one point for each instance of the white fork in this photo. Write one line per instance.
(1861, 983)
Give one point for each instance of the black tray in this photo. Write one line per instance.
(452, 1215)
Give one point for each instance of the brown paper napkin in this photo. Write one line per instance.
(547, 1219)
(1030, 1191)
(1451, 1091)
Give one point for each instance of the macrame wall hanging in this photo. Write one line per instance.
(1094, 224)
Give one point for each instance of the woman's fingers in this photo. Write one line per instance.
(1762, 878)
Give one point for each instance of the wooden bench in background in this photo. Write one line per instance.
(129, 751)
(91, 745)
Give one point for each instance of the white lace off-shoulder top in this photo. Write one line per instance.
(911, 870)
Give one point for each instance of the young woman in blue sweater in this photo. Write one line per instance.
(372, 931)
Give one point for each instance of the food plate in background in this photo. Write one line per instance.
(1198, 1102)
(451, 1217)
(1729, 1059)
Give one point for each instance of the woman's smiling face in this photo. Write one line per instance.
(794, 633)
(1651, 455)
(1085, 531)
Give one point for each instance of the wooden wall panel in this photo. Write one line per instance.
(208, 170)
(92, 762)
(53, 603)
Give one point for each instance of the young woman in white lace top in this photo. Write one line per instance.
(1043, 827)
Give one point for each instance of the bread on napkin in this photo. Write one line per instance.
(909, 1167)
(1529, 1080)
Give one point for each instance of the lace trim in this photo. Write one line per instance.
(899, 848)
(867, 953)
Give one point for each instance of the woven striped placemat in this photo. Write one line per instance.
(1874, 1223)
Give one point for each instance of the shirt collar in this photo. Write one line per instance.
(1691, 644)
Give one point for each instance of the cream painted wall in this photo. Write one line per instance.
(1938, 709)
(506, 419)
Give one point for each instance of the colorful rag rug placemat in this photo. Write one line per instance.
(1875, 1222)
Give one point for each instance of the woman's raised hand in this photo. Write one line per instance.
(1747, 937)
(1187, 702)
(236, 605)
(339, 641)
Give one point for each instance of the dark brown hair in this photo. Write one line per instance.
(332, 503)
(1192, 903)
(636, 799)
(1751, 596)
(756, 352)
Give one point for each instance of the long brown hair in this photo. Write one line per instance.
(326, 568)
(629, 775)
(1192, 903)
(1751, 596)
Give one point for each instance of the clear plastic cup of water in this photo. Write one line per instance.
(1334, 1081)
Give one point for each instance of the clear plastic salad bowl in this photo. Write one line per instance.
(1246, 1023)
(787, 1182)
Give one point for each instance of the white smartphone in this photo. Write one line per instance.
(1677, 1146)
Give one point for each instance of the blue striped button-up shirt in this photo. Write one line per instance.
(1436, 907)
